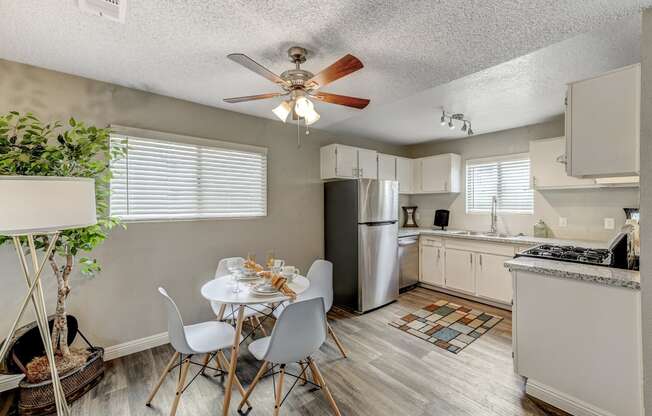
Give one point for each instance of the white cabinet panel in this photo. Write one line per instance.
(494, 281)
(339, 161)
(603, 124)
(368, 163)
(439, 174)
(404, 175)
(346, 162)
(547, 161)
(387, 167)
(459, 270)
(435, 174)
(431, 268)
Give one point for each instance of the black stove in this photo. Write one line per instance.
(593, 256)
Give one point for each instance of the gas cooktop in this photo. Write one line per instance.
(593, 256)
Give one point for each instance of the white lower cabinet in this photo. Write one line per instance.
(431, 269)
(494, 281)
(459, 270)
(469, 267)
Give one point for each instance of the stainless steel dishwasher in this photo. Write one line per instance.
(408, 255)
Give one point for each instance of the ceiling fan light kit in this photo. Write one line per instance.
(301, 85)
(466, 124)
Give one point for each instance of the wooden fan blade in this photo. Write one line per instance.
(343, 67)
(253, 97)
(341, 99)
(254, 66)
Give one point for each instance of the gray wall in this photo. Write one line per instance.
(121, 303)
(584, 209)
(646, 202)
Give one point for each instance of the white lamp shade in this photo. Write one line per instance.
(41, 204)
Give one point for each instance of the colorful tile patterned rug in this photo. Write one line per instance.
(447, 325)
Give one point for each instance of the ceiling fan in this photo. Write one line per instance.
(300, 85)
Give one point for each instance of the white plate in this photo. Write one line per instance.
(258, 293)
(264, 289)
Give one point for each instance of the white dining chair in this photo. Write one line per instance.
(251, 312)
(320, 276)
(209, 338)
(299, 332)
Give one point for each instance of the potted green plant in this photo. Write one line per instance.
(31, 147)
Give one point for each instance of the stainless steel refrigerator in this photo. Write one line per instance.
(361, 232)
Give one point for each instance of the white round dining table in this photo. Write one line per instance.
(221, 290)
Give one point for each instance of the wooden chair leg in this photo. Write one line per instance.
(205, 363)
(336, 339)
(180, 386)
(168, 367)
(259, 375)
(237, 380)
(304, 370)
(320, 380)
(279, 390)
(262, 328)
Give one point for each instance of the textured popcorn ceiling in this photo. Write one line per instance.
(418, 55)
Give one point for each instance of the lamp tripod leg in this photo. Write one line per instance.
(41, 312)
(38, 300)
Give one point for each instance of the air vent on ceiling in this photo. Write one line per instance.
(111, 9)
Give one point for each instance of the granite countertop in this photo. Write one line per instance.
(525, 240)
(629, 279)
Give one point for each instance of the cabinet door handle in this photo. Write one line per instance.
(361, 174)
(471, 258)
(438, 253)
(480, 260)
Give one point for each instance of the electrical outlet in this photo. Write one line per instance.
(417, 216)
(609, 224)
(563, 222)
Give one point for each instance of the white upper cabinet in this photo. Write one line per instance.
(404, 175)
(345, 162)
(548, 166)
(603, 124)
(387, 167)
(428, 175)
(440, 174)
(368, 164)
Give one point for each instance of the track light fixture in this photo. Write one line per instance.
(466, 124)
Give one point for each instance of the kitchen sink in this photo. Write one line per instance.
(480, 233)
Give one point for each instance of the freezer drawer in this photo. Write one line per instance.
(377, 265)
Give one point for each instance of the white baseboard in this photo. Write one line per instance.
(9, 382)
(134, 346)
(562, 401)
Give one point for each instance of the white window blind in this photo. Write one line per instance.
(171, 179)
(506, 178)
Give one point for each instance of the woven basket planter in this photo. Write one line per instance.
(38, 398)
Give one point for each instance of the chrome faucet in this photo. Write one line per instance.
(494, 216)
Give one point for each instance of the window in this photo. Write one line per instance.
(506, 178)
(186, 178)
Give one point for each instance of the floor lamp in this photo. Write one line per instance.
(42, 205)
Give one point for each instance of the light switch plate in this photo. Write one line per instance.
(609, 224)
(563, 222)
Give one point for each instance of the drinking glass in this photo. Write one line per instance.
(235, 268)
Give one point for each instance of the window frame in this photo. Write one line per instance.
(497, 159)
(174, 138)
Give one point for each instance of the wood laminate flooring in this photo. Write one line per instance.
(388, 372)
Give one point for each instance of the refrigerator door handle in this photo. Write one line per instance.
(377, 224)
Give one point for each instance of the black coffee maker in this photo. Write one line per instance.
(441, 218)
